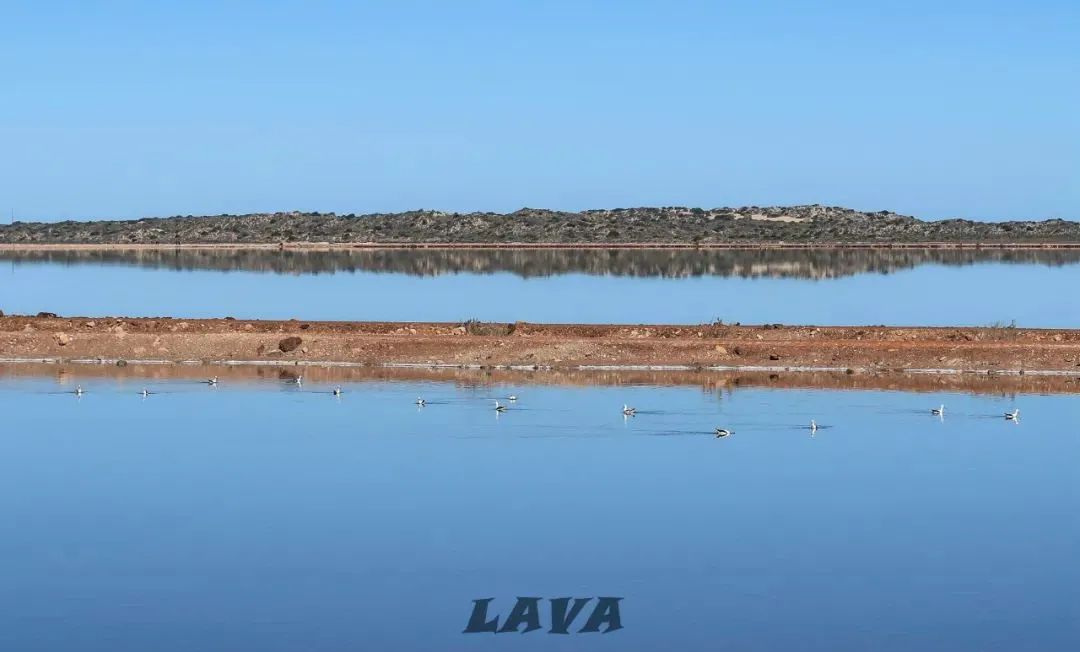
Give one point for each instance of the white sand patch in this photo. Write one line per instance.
(761, 217)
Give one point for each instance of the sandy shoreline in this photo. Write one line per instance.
(338, 246)
(534, 347)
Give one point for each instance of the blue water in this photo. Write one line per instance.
(933, 295)
(256, 516)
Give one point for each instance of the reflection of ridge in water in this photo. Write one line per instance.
(664, 263)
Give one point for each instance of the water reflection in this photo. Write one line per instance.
(527, 263)
(257, 516)
(504, 383)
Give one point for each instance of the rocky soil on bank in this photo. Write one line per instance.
(1004, 350)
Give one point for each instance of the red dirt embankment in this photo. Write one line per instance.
(866, 348)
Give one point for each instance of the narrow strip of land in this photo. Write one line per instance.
(994, 245)
(543, 346)
(674, 224)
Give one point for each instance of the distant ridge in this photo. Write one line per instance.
(668, 224)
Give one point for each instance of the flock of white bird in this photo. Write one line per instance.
(627, 410)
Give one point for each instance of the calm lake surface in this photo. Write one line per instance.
(824, 287)
(257, 515)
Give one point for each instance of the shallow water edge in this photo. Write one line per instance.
(316, 374)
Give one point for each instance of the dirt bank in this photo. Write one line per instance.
(541, 346)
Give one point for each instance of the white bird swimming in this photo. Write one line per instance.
(722, 432)
(1014, 415)
(145, 392)
(337, 391)
(938, 411)
(420, 402)
(499, 408)
(512, 397)
(299, 380)
(813, 426)
(78, 390)
(628, 411)
(211, 381)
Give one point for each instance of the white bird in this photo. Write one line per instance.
(512, 397)
(337, 391)
(299, 380)
(628, 411)
(420, 402)
(722, 432)
(145, 392)
(211, 381)
(1014, 415)
(813, 426)
(938, 411)
(78, 390)
(499, 408)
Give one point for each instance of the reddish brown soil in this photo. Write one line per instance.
(542, 345)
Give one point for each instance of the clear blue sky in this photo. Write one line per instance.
(125, 109)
